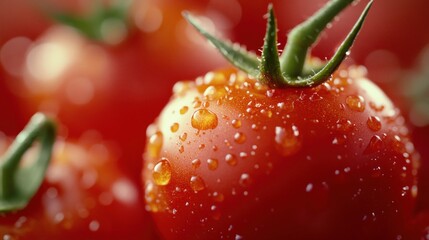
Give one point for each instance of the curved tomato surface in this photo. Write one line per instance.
(83, 195)
(229, 158)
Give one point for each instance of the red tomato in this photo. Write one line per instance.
(230, 158)
(93, 85)
(83, 195)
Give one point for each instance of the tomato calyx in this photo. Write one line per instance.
(288, 69)
(19, 182)
(105, 23)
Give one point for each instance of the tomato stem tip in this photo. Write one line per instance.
(19, 182)
(287, 70)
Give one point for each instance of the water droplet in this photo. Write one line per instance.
(197, 103)
(375, 144)
(231, 159)
(183, 110)
(201, 146)
(374, 123)
(212, 163)
(218, 197)
(213, 93)
(183, 137)
(180, 88)
(155, 144)
(197, 183)
(344, 125)
(309, 187)
(181, 149)
(162, 172)
(356, 103)
(236, 123)
(287, 139)
(214, 78)
(239, 137)
(204, 119)
(376, 107)
(244, 180)
(196, 163)
(174, 127)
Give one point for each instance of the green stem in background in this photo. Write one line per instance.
(305, 34)
(105, 23)
(19, 183)
(288, 70)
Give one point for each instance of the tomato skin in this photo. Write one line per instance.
(83, 195)
(305, 162)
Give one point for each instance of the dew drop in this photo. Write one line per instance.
(356, 103)
(197, 183)
(181, 149)
(196, 163)
(196, 103)
(174, 127)
(236, 123)
(374, 123)
(376, 107)
(183, 110)
(162, 172)
(239, 137)
(183, 137)
(218, 197)
(204, 119)
(155, 144)
(231, 159)
(344, 125)
(375, 144)
(213, 93)
(212, 163)
(287, 140)
(244, 180)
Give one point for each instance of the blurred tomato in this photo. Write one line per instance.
(116, 86)
(84, 194)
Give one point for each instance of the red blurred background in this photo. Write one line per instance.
(117, 85)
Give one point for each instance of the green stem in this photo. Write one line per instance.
(18, 184)
(305, 34)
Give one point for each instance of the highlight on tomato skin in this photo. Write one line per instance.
(83, 195)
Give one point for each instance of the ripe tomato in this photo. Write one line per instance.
(229, 157)
(83, 195)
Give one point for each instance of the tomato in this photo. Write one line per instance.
(96, 85)
(83, 195)
(230, 157)
(273, 152)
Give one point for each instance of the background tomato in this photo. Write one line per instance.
(113, 89)
(83, 195)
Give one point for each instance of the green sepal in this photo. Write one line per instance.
(271, 73)
(274, 70)
(234, 53)
(91, 25)
(18, 184)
